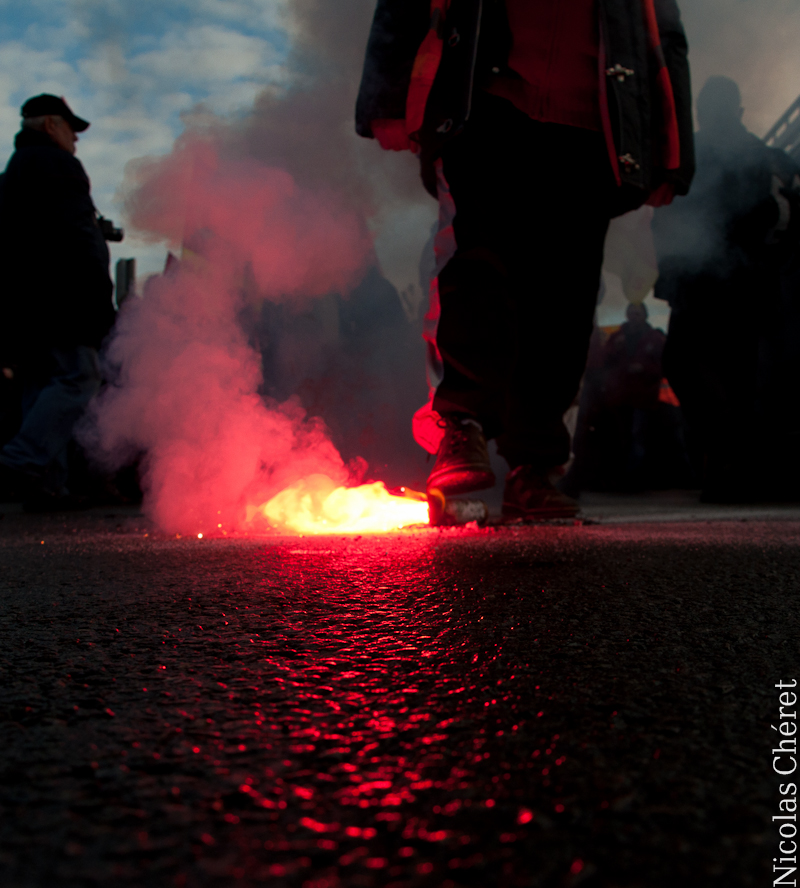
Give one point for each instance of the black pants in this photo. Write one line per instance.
(518, 297)
(711, 361)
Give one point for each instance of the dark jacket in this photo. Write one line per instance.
(56, 289)
(737, 226)
(475, 41)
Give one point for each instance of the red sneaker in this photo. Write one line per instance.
(531, 494)
(462, 462)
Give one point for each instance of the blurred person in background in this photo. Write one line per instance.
(632, 361)
(56, 299)
(720, 251)
(629, 436)
(535, 123)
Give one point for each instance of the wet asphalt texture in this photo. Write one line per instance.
(530, 706)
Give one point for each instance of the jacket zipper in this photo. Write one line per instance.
(474, 61)
(605, 113)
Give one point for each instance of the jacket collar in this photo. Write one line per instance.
(31, 138)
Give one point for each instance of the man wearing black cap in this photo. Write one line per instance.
(55, 301)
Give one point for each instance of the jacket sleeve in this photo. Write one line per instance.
(674, 45)
(398, 29)
(60, 239)
(72, 221)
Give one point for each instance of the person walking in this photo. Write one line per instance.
(536, 122)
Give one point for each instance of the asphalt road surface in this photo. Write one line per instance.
(533, 706)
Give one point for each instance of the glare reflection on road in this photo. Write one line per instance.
(389, 707)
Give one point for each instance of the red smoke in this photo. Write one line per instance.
(187, 387)
(241, 213)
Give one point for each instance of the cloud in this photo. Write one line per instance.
(121, 19)
(25, 71)
(248, 13)
(205, 55)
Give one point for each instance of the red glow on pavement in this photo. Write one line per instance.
(316, 826)
(316, 505)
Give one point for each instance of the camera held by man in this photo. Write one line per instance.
(109, 231)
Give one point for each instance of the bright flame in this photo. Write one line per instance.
(317, 505)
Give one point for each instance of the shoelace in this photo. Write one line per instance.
(457, 440)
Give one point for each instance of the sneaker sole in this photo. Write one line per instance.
(466, 481)
(510, 511)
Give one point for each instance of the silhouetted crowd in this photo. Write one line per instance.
(729, 267)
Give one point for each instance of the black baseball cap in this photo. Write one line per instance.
(44, 104)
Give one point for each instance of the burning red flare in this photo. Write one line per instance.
(317, 505)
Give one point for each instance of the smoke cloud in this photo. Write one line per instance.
(274, 214)
(237, 213)
(754, 42)
(309, 130)
(186, 386)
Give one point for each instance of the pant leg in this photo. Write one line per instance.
(40, 446)
(517, 299)
(682, 363)
(556, 287)
(472, 337)
(711, 361)
(474, 287)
